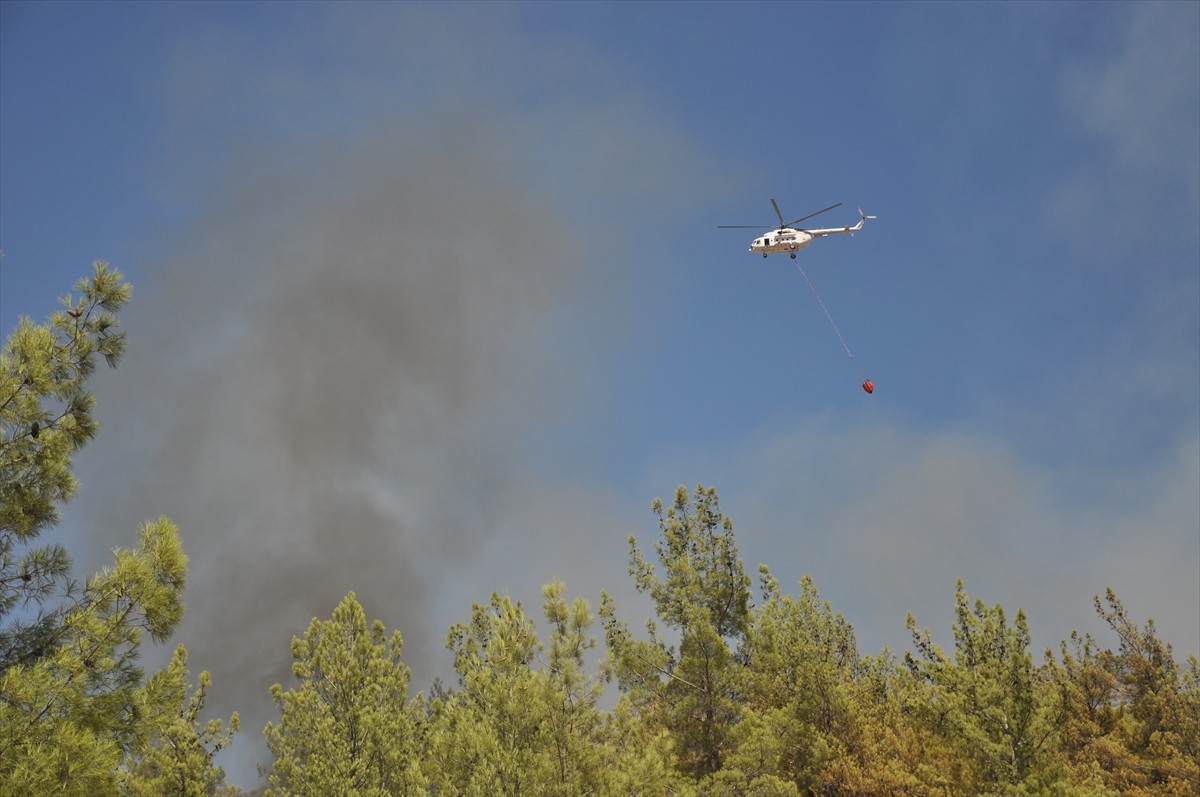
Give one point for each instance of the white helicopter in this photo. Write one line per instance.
(790, 238)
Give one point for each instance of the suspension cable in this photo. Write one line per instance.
(812, 288)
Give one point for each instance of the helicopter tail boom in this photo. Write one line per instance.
(849, 228)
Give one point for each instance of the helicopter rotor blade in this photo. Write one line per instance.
(781, 226)
(818, 213)
(777, 213)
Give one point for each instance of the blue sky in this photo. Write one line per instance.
(430, 300)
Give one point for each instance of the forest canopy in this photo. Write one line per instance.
(735, 687)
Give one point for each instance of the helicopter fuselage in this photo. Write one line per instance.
(781, 241)
(791, 240)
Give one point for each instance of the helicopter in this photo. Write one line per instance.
(790, 238)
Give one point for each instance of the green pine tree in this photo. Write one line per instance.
(1131, 717)
(525, 722)
(988, 698)
(703, 594)
(177, 760)
(348, 729)
(70, 699)
(495, 734)
(798, 685)
(46, 415)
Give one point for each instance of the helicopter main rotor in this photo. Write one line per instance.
(775, 205)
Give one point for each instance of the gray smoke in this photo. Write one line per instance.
(330, 395)
(340, 363)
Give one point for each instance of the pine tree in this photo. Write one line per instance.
(703, 594)
(987, 697)
(177, 760)
(348, 729)
(46, 415)
(1131, 717)
(68, 714)
(495, 734)
(798, 686)
(524, 721)
(69, 674)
